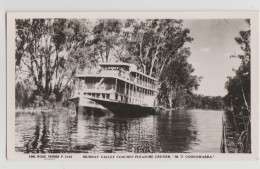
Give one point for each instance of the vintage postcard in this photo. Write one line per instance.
(132, 85)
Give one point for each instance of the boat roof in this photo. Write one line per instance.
(141, 73)
(133, 68)
(114, 64)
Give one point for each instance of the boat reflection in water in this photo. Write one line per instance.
(95, 131)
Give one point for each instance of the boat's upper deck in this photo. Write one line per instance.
(117, 81)
(131, 68)
(123, 71)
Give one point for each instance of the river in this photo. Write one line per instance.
(179, 131)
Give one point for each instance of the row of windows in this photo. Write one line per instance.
(125, 68)
(109, 84)
(121, 88)
(98, 95)
(127, 99)
(146, 82)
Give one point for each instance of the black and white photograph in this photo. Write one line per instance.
(132, 87)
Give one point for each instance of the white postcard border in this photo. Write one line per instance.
(253, 15)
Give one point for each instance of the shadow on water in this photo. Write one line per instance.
(93, 111)
(175, 130)
(44, 137)
(104, 112)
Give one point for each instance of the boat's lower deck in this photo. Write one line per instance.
(124, 108)
(117, 107)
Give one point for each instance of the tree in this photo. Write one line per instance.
(51, 51)
(24, 94)
(155, 45)
(178, 77)
(105, 38)
(152, 42)
(45, 49)
(238, 88)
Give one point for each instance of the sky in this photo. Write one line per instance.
(210, 52)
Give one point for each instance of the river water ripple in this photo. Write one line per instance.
(191, 131)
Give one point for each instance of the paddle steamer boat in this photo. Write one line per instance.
(118, 87)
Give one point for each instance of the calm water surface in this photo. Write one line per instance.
(96, 132)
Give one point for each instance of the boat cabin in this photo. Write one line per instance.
(118, 82)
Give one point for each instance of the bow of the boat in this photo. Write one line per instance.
(124, 108)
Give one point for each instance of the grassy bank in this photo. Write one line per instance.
(236, 133)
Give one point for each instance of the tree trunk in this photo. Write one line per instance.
(170, 101)
(163, 65)
(153, 60)
(247, 107)
(144, 68)
(152, 65)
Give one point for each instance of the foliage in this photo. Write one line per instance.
(238, 97)
(24, 93)
(157, 47)
(52, 98)
(48, 51)
(205, 102)
(178, 77)
(152, 42)
(105, 38)
(52, 51)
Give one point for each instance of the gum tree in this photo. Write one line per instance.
(45, 52)
(238, 98)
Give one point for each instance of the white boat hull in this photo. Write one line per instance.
(85, 102)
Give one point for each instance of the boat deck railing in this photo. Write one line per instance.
(121, 73)
(117, 73)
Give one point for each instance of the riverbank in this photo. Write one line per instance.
(42, 109)
(229, 139)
